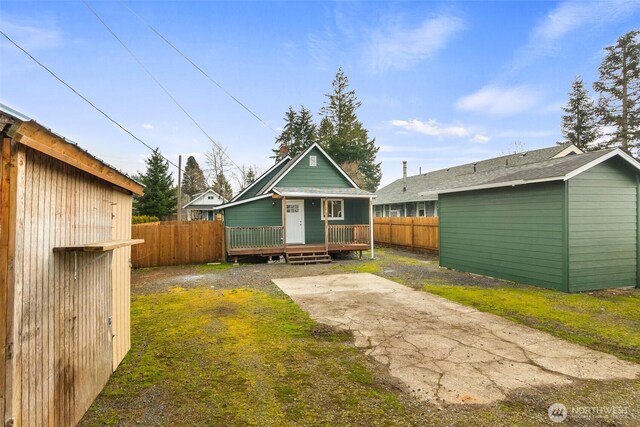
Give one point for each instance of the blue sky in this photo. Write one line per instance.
(441, 83)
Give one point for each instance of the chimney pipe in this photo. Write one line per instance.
(404, 175)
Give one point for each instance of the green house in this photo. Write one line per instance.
(569, 223)
(303, 208)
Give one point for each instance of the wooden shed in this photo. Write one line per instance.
(569, 223)
(65, 235)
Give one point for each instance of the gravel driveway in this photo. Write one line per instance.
(443, 351)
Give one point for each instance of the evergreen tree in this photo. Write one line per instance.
(298, 133)
(193, 180)
(619, 89)
(342, 134)
(222, 187)
(249, 177)
(159, 198)
(580, 123)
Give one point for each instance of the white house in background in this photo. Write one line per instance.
(202, 205)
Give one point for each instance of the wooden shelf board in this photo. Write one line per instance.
(100, 246)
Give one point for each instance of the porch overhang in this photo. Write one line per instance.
(322, 192)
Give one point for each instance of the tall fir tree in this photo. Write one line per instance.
(193, 180)
(344, 137)
(298, 133)
(619, 89)
(159, 198)
(580, 123)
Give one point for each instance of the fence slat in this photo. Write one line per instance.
(415, 232)
(177, 242)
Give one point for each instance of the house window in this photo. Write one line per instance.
(210, 197)
(394, 213)
(335, 209)
(313, 161)
(421, 210)
(293, 208)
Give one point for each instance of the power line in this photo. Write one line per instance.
(164, 89)
(98, 109)
(229, 94)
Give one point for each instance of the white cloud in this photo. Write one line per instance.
(31, 35)
(568, 17)
(147, 126)
(431, 128)
(480, 138)
(400, 47)
(500, 101)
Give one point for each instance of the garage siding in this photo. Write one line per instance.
(603, 227)
(513, 233)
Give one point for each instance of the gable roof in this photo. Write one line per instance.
(292, 164)
(557, 169)
(261, 178)
(199, 196)
(426, 186)
(269, 186)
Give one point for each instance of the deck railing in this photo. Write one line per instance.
(349, 234)
(253, 237)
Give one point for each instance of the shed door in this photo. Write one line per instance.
(295, 221)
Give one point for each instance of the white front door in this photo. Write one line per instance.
(295, 221)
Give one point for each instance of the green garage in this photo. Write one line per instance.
(569, 224)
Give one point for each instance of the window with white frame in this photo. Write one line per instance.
(335, 209)
(421, 209)
(313, 161)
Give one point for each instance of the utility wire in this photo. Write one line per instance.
(84, 98)
(164, 89)
(229, 94)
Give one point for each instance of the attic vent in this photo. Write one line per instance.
(313, 161)
(474, 167)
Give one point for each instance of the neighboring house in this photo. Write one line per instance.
(303, 208)
(202, 206)
(417, 195)
(568, 223)
(65, 237)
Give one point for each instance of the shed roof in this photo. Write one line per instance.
(558, 169)
(428, 185)
(32, 134)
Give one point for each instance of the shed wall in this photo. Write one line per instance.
(61, 353)
(121, 277)
(603, 220)
(510, 233)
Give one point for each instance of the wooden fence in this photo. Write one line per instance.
(414, 233)
(177, 242)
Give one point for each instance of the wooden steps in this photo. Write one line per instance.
(308, 257)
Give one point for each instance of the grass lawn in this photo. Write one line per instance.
(606, 320)
(240, 357)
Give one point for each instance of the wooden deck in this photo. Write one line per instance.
(299, 249)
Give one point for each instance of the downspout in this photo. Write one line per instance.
(371, 226)
(565, 239)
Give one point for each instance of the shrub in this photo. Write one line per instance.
(141, 219)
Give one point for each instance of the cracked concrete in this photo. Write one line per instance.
(444, 351)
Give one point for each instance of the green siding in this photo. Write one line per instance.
(253, 191)
(356, 211)
(322, 175)
(513, 233)
(261, 212)
(603, 225)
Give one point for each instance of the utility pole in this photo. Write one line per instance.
(180, 187)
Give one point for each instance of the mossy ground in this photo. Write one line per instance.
(228, 348)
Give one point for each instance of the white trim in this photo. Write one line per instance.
(572, 149)
(199, 195)
(341, 210)
(260, 177)
(300, 203)
(318, 195)
(239, 202)
(617, 151)
(299, 159)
